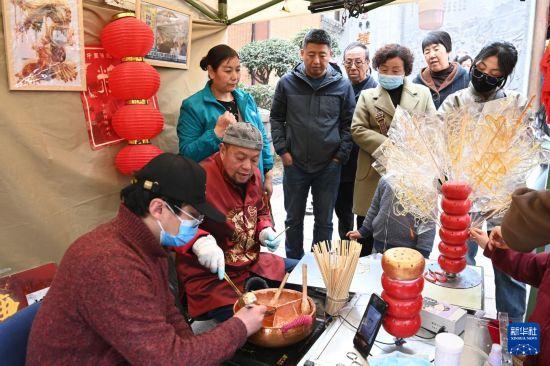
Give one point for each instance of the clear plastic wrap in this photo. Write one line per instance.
(493, 149)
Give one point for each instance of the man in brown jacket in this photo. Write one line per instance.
(110, 303)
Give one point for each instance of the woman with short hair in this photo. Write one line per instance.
(374, 113)
(441, 76)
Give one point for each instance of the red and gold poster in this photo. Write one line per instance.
(97, 101)
(24, 288)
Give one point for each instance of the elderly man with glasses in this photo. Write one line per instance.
(357, 65)
(234, 187)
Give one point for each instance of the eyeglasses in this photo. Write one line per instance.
(196, 220)
(357, 63)
(491, 80)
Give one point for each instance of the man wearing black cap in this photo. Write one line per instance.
(441, 76)
(110, 303)
(234, 187)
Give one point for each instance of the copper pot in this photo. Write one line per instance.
(271, 334)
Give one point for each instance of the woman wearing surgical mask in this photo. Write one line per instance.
(489, 73)
(374, 113)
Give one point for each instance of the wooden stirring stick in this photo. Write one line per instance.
(305, 302)
(239, 293)
(275, 298)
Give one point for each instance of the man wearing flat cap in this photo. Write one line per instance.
(110, 303)
(234, 187)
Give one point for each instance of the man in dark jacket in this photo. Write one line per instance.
(310, 120)
(441, 77)
(357, 65)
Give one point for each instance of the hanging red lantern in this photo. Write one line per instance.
(137, 121)
(134, 80)
(127, 36)
(134, 156)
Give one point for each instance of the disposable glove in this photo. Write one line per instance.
(269, 239)
(210, 255)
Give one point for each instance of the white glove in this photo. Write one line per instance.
(268, 238)
(210, 255)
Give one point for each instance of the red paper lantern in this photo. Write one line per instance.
(134, 157)
(134, 80)
(137, 121)
(127, 36)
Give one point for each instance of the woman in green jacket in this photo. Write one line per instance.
(205, 115)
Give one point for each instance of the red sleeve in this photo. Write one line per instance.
(126, 312)
(184, 249)
(175, 318)
(524, 267)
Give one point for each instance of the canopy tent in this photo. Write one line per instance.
(53, 187)
(243, 11)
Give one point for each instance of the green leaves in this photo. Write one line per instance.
(262, 58)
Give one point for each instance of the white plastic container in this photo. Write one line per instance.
(448, 349)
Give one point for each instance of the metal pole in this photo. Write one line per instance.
(253, 11)
(222, 10)
(203, 10)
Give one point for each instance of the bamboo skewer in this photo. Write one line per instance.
(235, 288)
(305, 301)
(275, 298)
(337, 262)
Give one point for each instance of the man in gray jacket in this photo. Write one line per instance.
(310, 120)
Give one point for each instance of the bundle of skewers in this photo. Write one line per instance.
(337, 261)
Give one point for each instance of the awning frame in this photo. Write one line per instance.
(315, 6)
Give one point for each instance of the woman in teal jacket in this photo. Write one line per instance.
(205, 115)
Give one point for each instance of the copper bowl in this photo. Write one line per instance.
(271, 335)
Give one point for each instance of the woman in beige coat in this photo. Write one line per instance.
(374, 113)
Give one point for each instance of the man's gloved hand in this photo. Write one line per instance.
(269, 239)
(210, 255)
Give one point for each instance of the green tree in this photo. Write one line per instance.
(299, 37)
(261, 58)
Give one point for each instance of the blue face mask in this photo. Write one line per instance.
(390, 82)
(187, 231)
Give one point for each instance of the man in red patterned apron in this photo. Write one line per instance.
(234, 187)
